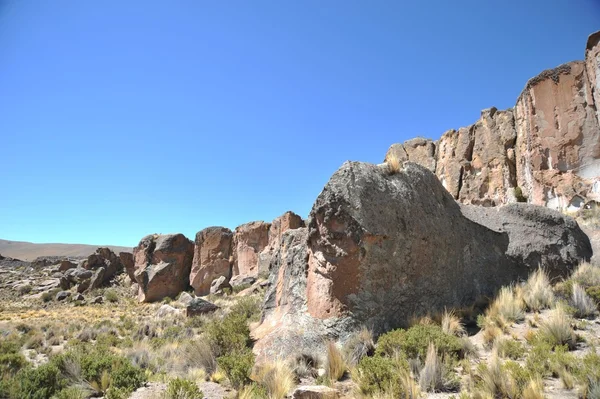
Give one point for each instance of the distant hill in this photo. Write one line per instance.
(29, 251)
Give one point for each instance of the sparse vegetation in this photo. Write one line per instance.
(537, 291)
(393, 163)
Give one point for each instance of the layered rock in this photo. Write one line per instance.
(211, 260)
(162, 266)
(545, 151)
(249, 240)
(380, 248)
(281, 224)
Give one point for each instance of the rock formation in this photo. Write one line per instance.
(545, 151)
(128, 264)
(162, 266)
(249, 240)
(382, 247)
(280, 225)
(211, 258)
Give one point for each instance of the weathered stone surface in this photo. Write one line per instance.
(237, 281)
(62, 295)
(557, 133)
(280, 225)
(185, 298)
(545, 151)
(381, 248)
(79, 297)
(419, 150)
(163, 264)
(199, 306)
(105, 259)
(167, 311)
(315, 392)
(66, 265)
(218, 285)
(249, 240)
(128, 264)
(211, 258)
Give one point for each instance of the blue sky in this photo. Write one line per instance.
(124, 118)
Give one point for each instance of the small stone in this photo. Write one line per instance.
(315, 392)
(98, 300)
(199, 306)
(62, 295)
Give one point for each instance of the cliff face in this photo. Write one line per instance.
(545, 150)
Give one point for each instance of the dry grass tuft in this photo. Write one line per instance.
(430, 378)
(393, 163)
(495, 382)
(277, 377)
(587, 275)
(506, 308)
(581, 301)
(490, 334)
(557, 329)
(451, 324)
(336, 365)
(537, 291)
(359, 345)
(534, 389)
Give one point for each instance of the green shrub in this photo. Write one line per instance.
(183, 389)
(49, 295)
(379, 374)
(111, 295)
(229, 334)
(594, 293)
(415, 341)
(249, 307)
(11, 363)
(38, 383)
(237, 365)
(73, 392)
(510, 348)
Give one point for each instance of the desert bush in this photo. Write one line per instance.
(73, 392)
(493, 380)
(111, 295)
(276, 377)
(556, 330)
(34, 341)
(380, 374)
(48, 296)
(583, 304)
(11, 363)
(509, 348)
(594, 293)
(179, 388)
(25, 289)
(37, 383)
(229, 334)
(252, 391)
(586, 275)
(537, 291)
(86, 335)
(237, 365)
(490, 334)
(415, 341)
(305, 365)
(534, 389)
(359, 345)
(249, 307)
(451, 324)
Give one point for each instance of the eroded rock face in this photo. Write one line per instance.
(211, 258)
(281, 224)
(545, 151)
(128, 264)
(163, 264)
(249, 240)
(105, 264)
(380, 248)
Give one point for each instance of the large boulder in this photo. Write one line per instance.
(104, 259)
(249, 240)
(280, 225)
(211, 258)
(162, 264)
(128, 264)
(382, 247)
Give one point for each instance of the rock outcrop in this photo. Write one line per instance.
(105, 264)
(162, 266)
(249, 240)
(211, 260)
(281, 224)
(546, 150)
(382, 247)
(128, 264)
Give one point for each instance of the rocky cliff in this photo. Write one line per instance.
(545, 150)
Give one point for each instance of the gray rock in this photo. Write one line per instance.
(167, 311)
(185, 298)
(315, 392)
(79, 297)
(218, 285)
(98, 279)
(66, 265)
(199, 306)
(84, 285)
(238, 280)
(98, 300)
(62, 295)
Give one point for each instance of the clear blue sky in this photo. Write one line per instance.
(124, 118)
